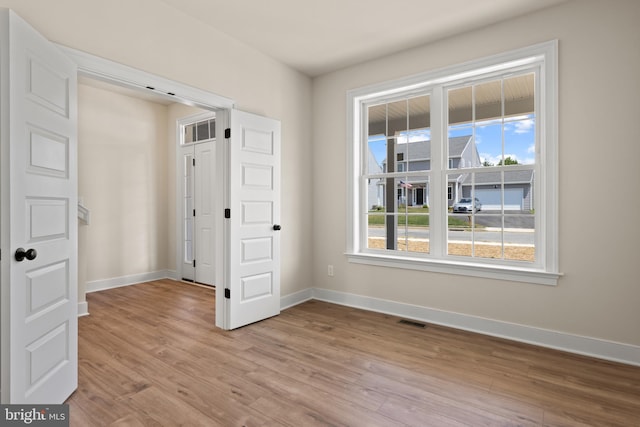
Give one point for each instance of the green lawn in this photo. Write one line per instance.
(416, 217)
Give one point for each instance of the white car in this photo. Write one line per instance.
(465, 205)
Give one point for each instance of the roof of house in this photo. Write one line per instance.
(421, 150)
(510, 177)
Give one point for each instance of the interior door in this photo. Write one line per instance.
(253, 287)
(38, 223)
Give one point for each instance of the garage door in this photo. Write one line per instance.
(490, 199)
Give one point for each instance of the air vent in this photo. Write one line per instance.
(412, 323)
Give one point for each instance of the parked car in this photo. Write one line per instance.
(467, 205)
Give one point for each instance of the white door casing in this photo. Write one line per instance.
(253, 279)
(38, 192)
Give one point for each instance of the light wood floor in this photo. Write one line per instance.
(150, 356)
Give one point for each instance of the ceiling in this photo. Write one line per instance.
(317, 37)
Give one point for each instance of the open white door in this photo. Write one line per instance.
(252, 288)
(38, 223)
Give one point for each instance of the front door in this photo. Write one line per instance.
(419, 196)
(197, 211)
(253, 286)
(38, 220)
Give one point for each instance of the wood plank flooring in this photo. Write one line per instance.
(151, 356)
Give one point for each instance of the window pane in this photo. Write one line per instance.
(488, 100)
(397, 117)
(520, 237)
(376, 230)
(189, 134)
(404, 225)
(414, 148)
(492, 218)
(202, 131)
(377, 155)
(376, 194)
(460, 101)
(377, 117)
(520, 140)
(488, 141)
(519, 95)
(463, 152)
(188, 251)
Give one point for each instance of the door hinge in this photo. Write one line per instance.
(227, 213)
(227, 133)
(194, 212)
(193, 161)
(194, 263)
(227, 293)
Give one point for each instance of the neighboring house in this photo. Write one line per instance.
(518, 190)
(463, 153)
(375, 190)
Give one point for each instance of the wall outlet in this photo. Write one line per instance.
(330, 270)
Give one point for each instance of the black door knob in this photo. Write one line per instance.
(277, 227)
(29, 254)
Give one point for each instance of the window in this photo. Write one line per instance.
(472, 185)
(199, 131)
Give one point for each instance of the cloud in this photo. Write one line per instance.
(490, 158)
(524, 126)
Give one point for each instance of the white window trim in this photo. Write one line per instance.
(546, 272)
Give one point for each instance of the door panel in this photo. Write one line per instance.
(39, 196)
(254, 198)
(205, 212)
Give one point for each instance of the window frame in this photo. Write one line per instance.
(545, 270)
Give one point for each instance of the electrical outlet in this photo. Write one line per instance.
(330, 270)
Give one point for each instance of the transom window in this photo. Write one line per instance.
(199, 131)
(456, 170)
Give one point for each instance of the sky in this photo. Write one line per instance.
(519, 139)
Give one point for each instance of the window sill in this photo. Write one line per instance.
(465, 269)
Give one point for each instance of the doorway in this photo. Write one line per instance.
(196, 197)
(249, 275)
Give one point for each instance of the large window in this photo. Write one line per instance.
(456, 170)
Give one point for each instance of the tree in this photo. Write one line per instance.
(508, 161)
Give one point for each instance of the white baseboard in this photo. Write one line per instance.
(116, 282)
(296, 298)
(587, 346)
(83, 309)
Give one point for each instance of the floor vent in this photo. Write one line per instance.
(412, 323)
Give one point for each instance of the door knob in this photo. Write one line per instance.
(277, 227)
(29, 254)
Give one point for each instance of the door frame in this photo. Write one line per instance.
(180, 123)
(122, 75)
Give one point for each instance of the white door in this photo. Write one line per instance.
(39, 362)
(204, 219)
(252, 290)
(197, 174)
